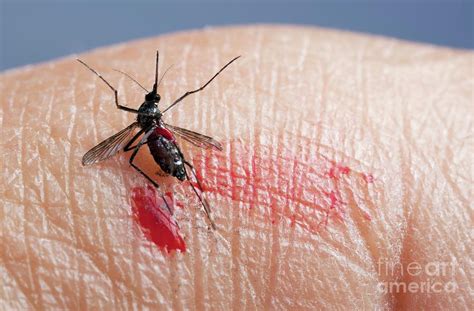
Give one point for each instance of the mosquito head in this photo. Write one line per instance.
(153, 96)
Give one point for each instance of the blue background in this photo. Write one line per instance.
(34, 31)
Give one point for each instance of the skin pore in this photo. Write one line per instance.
(373, 133)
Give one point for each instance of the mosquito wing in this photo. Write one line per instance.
(196, 139)
(110, 146)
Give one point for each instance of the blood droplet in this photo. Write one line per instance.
(155, 221)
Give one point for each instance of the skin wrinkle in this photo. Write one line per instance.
(22, 287)
(293, 184)
(109, 265)
(72, 202)
(236, 278)
(309, 273)
(270, 255)
(31, 268)
(198, 268)
(441, 171)
(361, 230)
(235, 246)
(409, 179)
(199, 271)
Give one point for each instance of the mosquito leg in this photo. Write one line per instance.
(202, 87)
(191, 167)
(203, 201)
(111, 87)
(127, 146)
(154, 183)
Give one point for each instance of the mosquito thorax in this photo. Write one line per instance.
(148, 113)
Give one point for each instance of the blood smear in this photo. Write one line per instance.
(154, 219)
(305, 188)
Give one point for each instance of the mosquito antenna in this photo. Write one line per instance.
(163, 75)
(131, 78)
(201, 88)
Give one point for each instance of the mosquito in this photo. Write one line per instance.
(159, 136)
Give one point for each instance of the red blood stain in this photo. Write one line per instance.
(369, 178)
(155, 221)
(304, 188)
(337, 170)
(367, 216)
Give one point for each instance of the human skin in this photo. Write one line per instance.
(396, 111)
